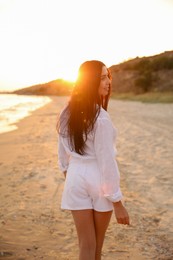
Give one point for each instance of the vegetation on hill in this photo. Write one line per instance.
(142, 75)
(58, 87)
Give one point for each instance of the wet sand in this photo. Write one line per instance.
(32, 226)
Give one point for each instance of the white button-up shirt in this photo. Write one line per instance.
(100, 145)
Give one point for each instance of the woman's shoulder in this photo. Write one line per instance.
(103, 115)
(103, 119)
(104, 122)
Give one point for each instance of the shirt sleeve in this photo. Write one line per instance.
(63, 157)
(105, 154)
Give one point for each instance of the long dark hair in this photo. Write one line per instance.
(84, 105)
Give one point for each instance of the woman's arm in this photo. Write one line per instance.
(110, 177)
(105, 154)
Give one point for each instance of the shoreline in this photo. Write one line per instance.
(15, 108)
(32, 226)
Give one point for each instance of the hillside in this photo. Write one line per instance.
(138, 76)
(58, 87)
(146, 74)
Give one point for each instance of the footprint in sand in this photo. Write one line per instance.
(43, 186)
(4, 254)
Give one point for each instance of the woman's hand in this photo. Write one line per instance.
(121, 213)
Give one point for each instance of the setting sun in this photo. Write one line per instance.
(46, 40)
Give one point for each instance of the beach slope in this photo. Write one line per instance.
(32, 226)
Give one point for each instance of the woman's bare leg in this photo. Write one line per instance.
(101, 221)
(84, 222)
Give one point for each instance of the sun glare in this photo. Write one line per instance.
(68, 72)
(50, 46)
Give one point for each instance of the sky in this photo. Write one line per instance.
(42, 40)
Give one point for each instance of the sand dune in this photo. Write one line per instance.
(32, 226)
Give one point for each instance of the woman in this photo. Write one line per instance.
(86, 156)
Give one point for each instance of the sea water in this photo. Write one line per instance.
(14, 107)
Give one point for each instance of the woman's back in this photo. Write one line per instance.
(102, 121)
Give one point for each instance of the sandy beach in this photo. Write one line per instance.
(32, 225)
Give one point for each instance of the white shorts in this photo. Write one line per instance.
(82, 188)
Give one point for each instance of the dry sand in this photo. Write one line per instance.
(32, 226)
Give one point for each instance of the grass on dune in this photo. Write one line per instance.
(150, 97)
